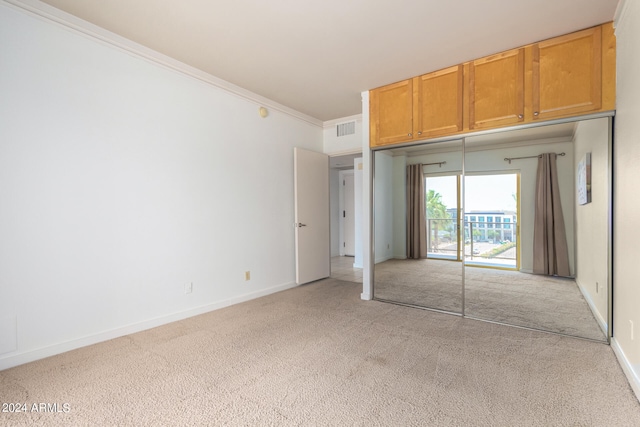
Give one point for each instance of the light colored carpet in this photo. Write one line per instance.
(318, 355)
(422, 282)
(529, 300)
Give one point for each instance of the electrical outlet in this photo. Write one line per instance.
(247, 275)
(188, 288)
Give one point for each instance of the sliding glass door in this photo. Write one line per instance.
(443, 211)
(491, 220)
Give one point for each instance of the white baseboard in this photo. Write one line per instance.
(12, 360)
(601, 321)
(627, 368)
(383, 259)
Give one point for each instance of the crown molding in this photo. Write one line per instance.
(48, 13)
(620, 12)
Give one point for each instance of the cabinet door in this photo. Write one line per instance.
(439, 103)
(496, 90)
(567, 75)
(391, 111)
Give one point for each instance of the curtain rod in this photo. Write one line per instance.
(436, 163)
(508, 159)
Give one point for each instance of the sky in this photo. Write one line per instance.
(482, 192)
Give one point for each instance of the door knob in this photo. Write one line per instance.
(299, 224)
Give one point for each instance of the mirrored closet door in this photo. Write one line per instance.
(416, 222)
(474, 233)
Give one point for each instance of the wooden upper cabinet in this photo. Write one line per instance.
(391, 113)
(567, 75)
(438, 103)
(496, 90)
(419, 108)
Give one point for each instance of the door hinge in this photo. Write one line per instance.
(344, 214)
(344, 182)
(344, 244)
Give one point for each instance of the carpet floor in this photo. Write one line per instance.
(318, 355)
(539, 302)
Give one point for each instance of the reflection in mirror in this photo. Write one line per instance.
(417, 247)
(504, 212)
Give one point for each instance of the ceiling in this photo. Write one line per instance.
(318, 56)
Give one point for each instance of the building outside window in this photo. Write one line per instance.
(501, 222)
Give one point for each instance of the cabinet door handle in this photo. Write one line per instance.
(419, 133)
(535, 113)
(409, 134)
(519, 116)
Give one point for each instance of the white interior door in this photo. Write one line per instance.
(311, 199)
(348, 215)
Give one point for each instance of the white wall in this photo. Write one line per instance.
(121, 181)
(592, 221)
(626, 201)
(383, 207)
(453, 161)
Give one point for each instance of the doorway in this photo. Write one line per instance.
(345, 172)
(348, 236)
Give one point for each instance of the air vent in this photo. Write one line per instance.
(344, 129)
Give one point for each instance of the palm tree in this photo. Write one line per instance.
(436, 210)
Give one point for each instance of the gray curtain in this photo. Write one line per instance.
(416, 213)
(550, 252)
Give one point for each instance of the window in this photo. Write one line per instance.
(489, 222)
(506, 224)
(481, 220)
